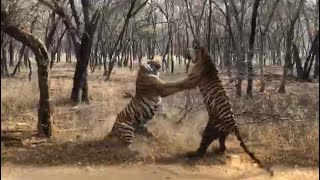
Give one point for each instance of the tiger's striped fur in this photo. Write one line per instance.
(204, 75)
(142, 107)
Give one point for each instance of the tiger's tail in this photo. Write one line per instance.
(251, 154)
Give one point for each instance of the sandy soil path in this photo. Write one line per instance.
(154, 172)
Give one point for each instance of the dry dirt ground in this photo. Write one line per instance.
(286, 139)
(156, 172)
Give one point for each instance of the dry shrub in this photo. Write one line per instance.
(297, 128)
(19, 100)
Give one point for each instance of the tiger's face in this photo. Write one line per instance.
(196, 53)
(151, 67)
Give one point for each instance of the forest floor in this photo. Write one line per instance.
(282, 129)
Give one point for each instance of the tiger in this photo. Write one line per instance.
(142, 107)
(221, 123)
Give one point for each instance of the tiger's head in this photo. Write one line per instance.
(151, 67)
(197, 53)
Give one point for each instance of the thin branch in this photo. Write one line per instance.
(27, 38)
(274, 7)
(65, 18)
(86, 12)
(138, 9)
(190, 23)
(234, 8)
(75, 13)
(263, 120)
(263, 97)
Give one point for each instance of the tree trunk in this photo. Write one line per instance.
(209, 26)
(226, 55)
(53, 58)
(241, 66)
(45, 109)
(80, 88)
(187, 62)
(278, 52)
(59, 54)
(125, 55)
(164, 62)
(96, 61)
(11, 53)
(25, 57)
(314, 51)
(4, 68)
(297, 61)
(251, 46)
(57, 51)
(316, 67)
(131, 57)
(289, 40)
(179, 47)
(19, 60)
(171, 53)
(4, 64)
(30, 69)
(83, 50)
(69, 47)
(273, 55)
(140, 53)
(261, 72)
(105, 68)
(149, 48)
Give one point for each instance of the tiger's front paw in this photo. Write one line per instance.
(143, 131)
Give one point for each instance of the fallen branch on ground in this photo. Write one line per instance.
(259, 100)
(6, 137)
(268, 119)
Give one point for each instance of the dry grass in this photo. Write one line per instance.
(293, 141)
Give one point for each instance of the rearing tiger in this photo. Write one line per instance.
(204, 75)
(142, 107)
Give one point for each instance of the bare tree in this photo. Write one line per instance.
(289, 39)
(262, 41)
(4, 55)
(82, 40)
(45, 109)
(116, 50)
(240, 50)
(313, 52)
(251, 46)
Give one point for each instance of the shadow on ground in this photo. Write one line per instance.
(85, 153)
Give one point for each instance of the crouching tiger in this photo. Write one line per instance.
(142, 107)
(204, 75)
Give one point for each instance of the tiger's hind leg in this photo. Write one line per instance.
(210, 133)
(120, 137)
(222, 144)
(144, 131)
